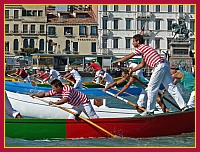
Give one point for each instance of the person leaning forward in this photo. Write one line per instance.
(142, 100)
(160, 74)
(70, 95)
(96, 68)
(187, 80)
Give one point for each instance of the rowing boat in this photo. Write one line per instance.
(134, 127)
(96, 85)
(31, 107)
(21, 87)
(85, 84)
(11, 79)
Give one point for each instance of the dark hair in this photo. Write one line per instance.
(139, 38)
(126, 71)
(57, 83)
(174, 68)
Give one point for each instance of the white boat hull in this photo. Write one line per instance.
(31, 107)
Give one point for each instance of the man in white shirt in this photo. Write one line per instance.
(105, 77)
(139, 72)
(53, 74)
(78, 80)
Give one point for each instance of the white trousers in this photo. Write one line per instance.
(161, 74)
(78, 84)
(9, 109)
(86, 108)
(108, 83)
(97, 74)
(191, 103)
(52, 78)
(142, 100)
(27, 79)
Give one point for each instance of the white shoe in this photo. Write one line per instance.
(185, 109)
(146, 113)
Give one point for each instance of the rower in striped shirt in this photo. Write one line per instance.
(160, 74)
(70, 95)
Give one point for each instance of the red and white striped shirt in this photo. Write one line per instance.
(73, 96)
(150, 55)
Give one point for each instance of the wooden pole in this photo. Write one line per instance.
(158, 93)
(125, 100)
(88, 121)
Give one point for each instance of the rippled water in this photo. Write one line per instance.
(183, 140)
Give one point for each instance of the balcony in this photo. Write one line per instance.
(52, 35)
(41, 32)
(15, 18)
(105, 32)
(181, 15)
(7, 32)
(68, 34)
(75, 52)
(26, 33)
(144, 14)
(106, 14)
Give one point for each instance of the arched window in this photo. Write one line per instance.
(50, 47)
(25, 43)
(15, 45)
(31, 43)
(41, 45)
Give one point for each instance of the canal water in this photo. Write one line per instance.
(182, 140)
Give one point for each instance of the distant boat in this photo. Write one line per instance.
(27, 88)
(85, 84)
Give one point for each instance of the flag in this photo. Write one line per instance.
(142, 30)
(53, 43)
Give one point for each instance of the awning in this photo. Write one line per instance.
(89, 59)
(136, 59)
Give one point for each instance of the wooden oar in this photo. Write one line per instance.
(116, 89)
(88, 121)
(16, 79)
(158, 93)
(125, 100)
(39, 80)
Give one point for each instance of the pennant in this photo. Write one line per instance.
(53, 43)
(142, 30)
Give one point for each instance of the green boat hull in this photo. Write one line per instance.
(48, 128)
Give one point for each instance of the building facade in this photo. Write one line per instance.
(118, 24)
(24, 29)
(39, 29)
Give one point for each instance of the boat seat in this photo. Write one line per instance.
(98, 102)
